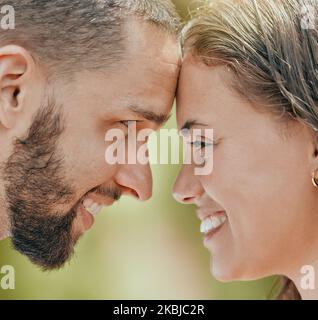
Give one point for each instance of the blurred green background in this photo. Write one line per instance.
(136, 250)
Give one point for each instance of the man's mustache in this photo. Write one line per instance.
(109, 191)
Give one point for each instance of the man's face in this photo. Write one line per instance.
(57, 177)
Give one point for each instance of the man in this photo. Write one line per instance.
(69, 72)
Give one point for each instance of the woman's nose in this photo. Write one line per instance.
(187, 188)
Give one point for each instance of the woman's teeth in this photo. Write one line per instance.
(211, 223)
(92, 207)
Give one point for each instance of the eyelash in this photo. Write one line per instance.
(203, 144)
(125, 122)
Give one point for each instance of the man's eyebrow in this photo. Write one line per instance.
(191, 123)
(158, 118)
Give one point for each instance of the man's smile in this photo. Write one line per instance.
(91, 205)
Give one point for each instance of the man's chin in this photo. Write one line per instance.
(51, 265)
(47, 242)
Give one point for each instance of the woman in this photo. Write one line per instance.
(250, 72)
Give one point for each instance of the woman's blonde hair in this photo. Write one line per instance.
(271, 46)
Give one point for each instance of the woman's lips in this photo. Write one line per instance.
(212, 223)
(209, 235)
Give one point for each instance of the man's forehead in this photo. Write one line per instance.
(148, 41)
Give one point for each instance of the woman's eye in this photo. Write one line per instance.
(200, 144)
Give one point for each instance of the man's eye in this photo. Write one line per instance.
(128, 123)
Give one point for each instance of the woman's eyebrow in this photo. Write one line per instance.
(158, 118)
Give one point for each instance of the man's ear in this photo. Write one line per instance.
(15, 64)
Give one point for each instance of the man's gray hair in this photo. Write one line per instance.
(69, 34)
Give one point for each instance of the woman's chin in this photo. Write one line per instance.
(229, 272)
(222, 275)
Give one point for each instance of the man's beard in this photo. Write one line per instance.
(35, 184)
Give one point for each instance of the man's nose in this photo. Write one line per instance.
(187, 188)
(135, 180)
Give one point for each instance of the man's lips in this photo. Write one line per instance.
(90, 206)
(86, 218)
(98, 199)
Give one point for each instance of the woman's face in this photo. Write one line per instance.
(261, 179)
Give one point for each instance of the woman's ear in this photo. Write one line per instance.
(314, 135)
(15, 62)
(314, 151)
